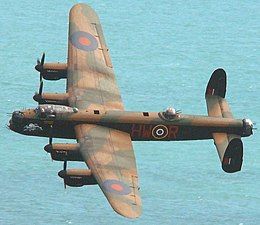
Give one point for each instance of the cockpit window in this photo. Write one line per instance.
(50, 111)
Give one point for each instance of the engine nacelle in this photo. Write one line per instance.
(64, 152)
(77, 177)
(52, 71)
(52, 98)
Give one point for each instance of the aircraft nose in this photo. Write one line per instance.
(10, 124)
(17, 116)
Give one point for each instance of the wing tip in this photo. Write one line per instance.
(129, 213)
(126, 208)
(83, 9)
(80, 5)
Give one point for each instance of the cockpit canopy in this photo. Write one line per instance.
(50, 111)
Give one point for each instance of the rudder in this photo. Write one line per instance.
(217, 83)
(233, 157)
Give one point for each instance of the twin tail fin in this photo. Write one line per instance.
(229, 146)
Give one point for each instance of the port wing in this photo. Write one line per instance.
(229, 146)
(110, 156)
(91, 81)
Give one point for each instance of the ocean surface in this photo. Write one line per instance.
(163, 54)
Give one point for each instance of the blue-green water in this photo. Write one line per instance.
(163, 54)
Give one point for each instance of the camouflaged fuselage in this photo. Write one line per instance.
(142, 126)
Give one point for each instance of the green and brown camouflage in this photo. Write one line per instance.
(91, 111)
(141, 126)
(52, 71)
(52, 98)
(91, 80)
(77, 177)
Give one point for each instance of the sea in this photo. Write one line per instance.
(163, 54)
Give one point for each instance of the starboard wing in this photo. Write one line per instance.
(110, 156)
(91, 81)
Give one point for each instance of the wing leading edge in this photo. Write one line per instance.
(110, 156)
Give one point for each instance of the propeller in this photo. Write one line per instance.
(64, 168)
(65, 165)
(65, 161)
(39, 67)
(50, 143)
(41, 88)
(50, 134)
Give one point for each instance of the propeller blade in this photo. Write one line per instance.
(42, 63)
(64, 168)
(42, 59)
(41, 87)
(50, 143)
(65, 165)
(50, 140)
(39, 65)
(50, 134)
(41, 76)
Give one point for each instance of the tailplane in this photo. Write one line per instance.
(229, 146)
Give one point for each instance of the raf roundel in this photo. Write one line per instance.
(116, 187)
(84, 41)
(160, 132)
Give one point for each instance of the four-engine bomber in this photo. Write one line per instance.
(91, 111)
